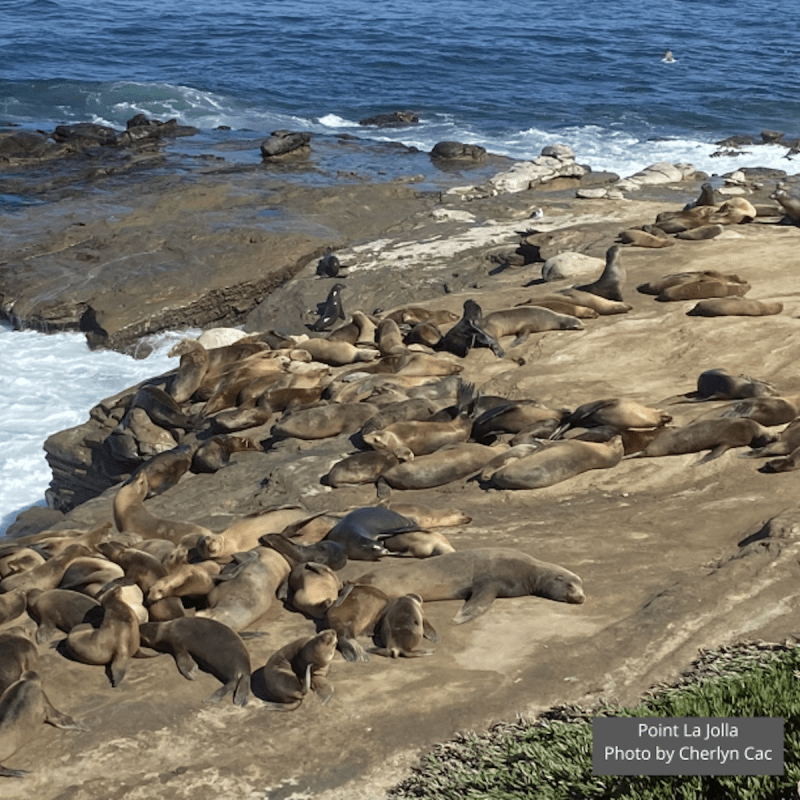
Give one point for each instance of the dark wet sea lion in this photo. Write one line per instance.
(477, 576)
(206, 644)
(332, 554)
(360, 531)
(330, 310)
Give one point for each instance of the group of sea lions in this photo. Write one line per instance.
(390, 386)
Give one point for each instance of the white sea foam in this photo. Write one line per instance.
(50, 383)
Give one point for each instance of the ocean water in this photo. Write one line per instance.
(510, 76)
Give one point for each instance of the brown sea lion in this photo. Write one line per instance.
(20, 561)
(62, 609)
(562, 305)
(421, 437)
(323, 422)
(297, 668)
(719, 384)
(640, 238)
(186, 580)
(616, 411)
(215, 453)
(787, 442)
(717, 435)
(477, 576)
(114, 643)
(12, 604)
(194, 365)
(734, 306)
(46, 575)
(402, 628)
(426, 333)
(703, 233)
(389, 338)
(522, 320)
(601, 305)
(204, 643)
(354, 613)
(419, 544)
(311, 588)
(703, 288)
(431, 517)
(366, 467)
(17, 654)
(337, 354)
(612, 279)
(787, 463)
(449, 463)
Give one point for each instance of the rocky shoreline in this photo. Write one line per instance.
(675, 554)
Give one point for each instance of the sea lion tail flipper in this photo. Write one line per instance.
(480, 602)
(117, 669)
(343, 594)
(351, 650)
(241, 694)
(59, 719)
(716, 452)
(306, 680)
(5, 772)
(384, 490)
(323, 690)
(429, 631)
(270, 706)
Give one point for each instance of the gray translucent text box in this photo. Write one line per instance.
(687, 746)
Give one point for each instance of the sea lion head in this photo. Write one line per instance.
(562, 585)
(210, 546)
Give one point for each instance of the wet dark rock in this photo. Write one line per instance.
(282, 142)
(396, 119)
(458, 151)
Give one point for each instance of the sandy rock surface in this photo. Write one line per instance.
(674, 554)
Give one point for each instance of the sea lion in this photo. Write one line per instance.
(562, 305)
(468, 332)
(537, 466)
(322, 422)
(421, 437)
(12, 604)
(640, 238)
(719, 384)
(332, 554)
(767, 411)
(165, 469)
(337, 354)
(426, 333)
(114, 643)
(790, 205)
(677, 221)
(734, 211)
(311, 588)
(787, 463)
(131, 515)
(734, 306)
(215, 453)
(512, 416)
(609, 284)
(716, 435)
(419, 544)
(359, 531)
(213, 456)
(449, 463)
(245, 598)
(354, 613)
(330, 310)
(89, 574)
(298, 667)
(390, 340)
(366, 467)
(17, 654)
(669, 58)
(194, 365)
(206, 644)
(701, 289)
(402, 628)
(703, 233)
(47, 575)
(185, 580)
(412, 315)
(329, 265)
(23, 708)
(477, 576)
(523, 320)
(787, 442)
(62, 609)
(20, 561)
(416, 408)
(601, 305)
(245, 532)
(430, 517)
(616, 411)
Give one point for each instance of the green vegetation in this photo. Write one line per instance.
(551, 759)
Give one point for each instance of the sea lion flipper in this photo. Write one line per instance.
(59, 719)
(480, 602)
(429, 631)
(5, 772)
(343, 594)
(351, 650)
(117, 669)
(713, 454)
(323, 689)
(241, 694)
(271, 706)
(187, 666)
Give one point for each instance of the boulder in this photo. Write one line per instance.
(396, 119)
(571, 265)
(528, 174)
(458, 151)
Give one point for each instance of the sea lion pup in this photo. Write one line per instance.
(331, 554)
(513, 416)
(787, 463)
(703, 233)
(609, 284)
(215, 453)
(330, 310)
(206, 644)
(244, 533)
(322, 422)
(366, 467)
(389, 338)
(790, 205)
(522, 320)
(766, 411)
(477, 576)
(23, 708)
(734, 307)
(355, 613)
(716, 435)
(360, 531)
(244, 598)
(562, 305)
(114, 643)
(449, 463)
(310, 588)
(165, 469)
(131, 515)
(185, 580)
(297, 668)
(677, 221)
(337, 354)
(62, 609)
(144, 570)
(468, 332)
(640, 238)
(551, 463)
(194, 365)
(597, 303)
(20, 561)
(719, 384)
(419, 544)
(12, 604)
(402, 628)
(329, 265)
(787, 442)
(426, 333)
(47, 575)
(616, 411)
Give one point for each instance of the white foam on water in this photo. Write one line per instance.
(50, 383)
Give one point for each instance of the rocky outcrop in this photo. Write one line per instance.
(457, 151)
(556, 161)
(394, 119)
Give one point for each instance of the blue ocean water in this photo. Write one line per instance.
(512, 76)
